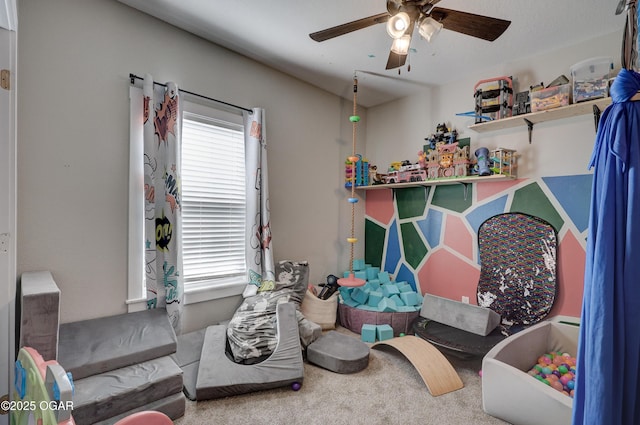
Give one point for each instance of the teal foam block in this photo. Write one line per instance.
(358, 264)
(350, 302)
(383, 277)
(404, 287)
(374, 284)
(372, 273)
(386, 305)
(384, 332)
(390, 289)
(368, 333)
(396, 299)
(409, 298)
(360, 275)
(345, 291)
(359, 295)
(346, 274)
(374, 298)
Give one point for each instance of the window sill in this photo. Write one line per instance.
(200, 292)
(207, 291)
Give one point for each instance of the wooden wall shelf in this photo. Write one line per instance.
(568, 111)
(438, 182)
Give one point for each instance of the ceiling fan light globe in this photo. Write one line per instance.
(429, 28)
(400, 45)
(398, 24)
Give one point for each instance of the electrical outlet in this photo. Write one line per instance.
(465, 299)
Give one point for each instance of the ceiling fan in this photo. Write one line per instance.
(402, 16)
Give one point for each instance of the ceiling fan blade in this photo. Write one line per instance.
(395, 60)
(479, 26)
(349, 27)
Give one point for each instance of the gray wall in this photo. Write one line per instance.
(75, 57)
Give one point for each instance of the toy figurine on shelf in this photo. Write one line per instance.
(374, 176)
(483, 161)
(357, 172)
(407, 172)
(444, 157)
(442, 135)
(503, 161)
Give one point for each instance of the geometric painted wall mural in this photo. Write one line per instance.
(427, 236)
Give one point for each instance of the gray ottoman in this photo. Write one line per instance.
(338, 353)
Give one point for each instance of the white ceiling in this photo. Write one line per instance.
(276, 33)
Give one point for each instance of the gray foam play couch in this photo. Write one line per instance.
(120, 364)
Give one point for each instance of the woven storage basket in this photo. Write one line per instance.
(322, 312)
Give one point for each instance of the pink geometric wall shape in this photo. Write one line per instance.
(570, 272)
(379, 205)
(488, 189)
(446, 275)
(457, 236)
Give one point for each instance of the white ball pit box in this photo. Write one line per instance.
(510, 394)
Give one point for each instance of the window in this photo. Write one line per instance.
(213, 203)
(213, 200)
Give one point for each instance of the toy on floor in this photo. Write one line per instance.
(435, 370)
(556, 369)
(147, 417)
(351, 280)
(43, 391)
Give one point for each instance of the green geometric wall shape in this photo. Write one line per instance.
(452, 197)
(465, 142)
(411, 201)
(374, 236)
(414, 248)
(532, 200)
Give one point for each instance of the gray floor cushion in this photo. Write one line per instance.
(219, 376)
(125, 339)
(187, 357)
(339, 353)
(103, 396)
(172, 406)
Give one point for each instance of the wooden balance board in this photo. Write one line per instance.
(434, 368)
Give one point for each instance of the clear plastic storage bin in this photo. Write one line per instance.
(590, 79)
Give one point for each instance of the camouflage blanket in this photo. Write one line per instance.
(252, 332)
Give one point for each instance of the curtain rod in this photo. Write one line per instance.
(134, 77)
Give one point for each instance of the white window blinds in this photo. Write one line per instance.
(213, 199)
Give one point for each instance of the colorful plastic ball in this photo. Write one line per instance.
(563, 369)
(401, 333)
(296, 386)
(571, 385)
(354, 118)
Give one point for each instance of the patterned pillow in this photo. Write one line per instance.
(251, 333)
